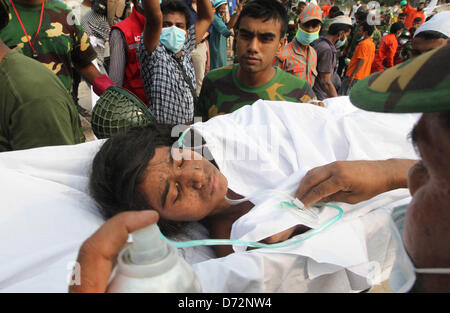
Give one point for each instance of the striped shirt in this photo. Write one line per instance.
(299, 60)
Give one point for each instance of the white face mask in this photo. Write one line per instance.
(340, 43)
(403, 274)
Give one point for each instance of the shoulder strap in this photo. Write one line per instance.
(187, 79)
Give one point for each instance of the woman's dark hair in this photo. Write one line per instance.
(119, 168)
(396, 27)
(169, 6)
(267, 9)
(337, 27)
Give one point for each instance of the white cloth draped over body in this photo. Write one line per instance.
(47, 212)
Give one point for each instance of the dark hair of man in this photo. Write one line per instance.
(267, 9)
(396, 27)
(417, 20)
(170, 6)
(431, 34)
(119, 168)
(334, 10)
(337, 27)
(368, 28)
(4, 14)
(339, 13)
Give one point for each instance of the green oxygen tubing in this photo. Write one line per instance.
(293, 204)
(221, 242)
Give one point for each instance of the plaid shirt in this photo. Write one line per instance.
(170, 97)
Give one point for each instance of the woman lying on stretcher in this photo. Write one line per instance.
(144, 169)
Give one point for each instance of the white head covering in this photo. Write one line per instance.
(439, 23)
(342, 20)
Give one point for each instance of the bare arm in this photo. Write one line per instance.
(327, 84)
(204, 19)
(153, 24)
(235, 17)
(357, 68)
(89, 73)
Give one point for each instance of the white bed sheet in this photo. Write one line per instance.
(46, 214)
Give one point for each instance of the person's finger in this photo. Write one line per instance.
(97, 255)
(312, 178)
(110, 238)
(324, 189)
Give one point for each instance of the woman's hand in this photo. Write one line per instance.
(98, 254)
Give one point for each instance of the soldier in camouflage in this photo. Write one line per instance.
(51, 34)
(421, 84)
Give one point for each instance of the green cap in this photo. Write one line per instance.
(116, 111)
(404, 2)
(421, 84)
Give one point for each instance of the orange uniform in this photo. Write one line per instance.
(411, 14)
(385, 54)
(326, 10)
(364, 50)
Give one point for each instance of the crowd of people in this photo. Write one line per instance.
(174, 55)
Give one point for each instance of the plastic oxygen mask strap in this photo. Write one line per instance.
(305, 236)
(181, 138)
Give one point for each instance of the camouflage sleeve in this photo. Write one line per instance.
(308, 92)
(83, 53)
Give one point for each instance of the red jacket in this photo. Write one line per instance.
(385, 54)
(132, 28)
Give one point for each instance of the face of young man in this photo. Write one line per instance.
(257, 43)
(175, 19)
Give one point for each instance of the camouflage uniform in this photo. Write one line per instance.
(418, 85)
(61, 40)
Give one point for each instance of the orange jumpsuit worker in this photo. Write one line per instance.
(384, 57)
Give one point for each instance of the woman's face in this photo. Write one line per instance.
(183, 186)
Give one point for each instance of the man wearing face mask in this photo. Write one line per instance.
(326, 56)
(298, 57)
(164, 54)
(384, 57)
